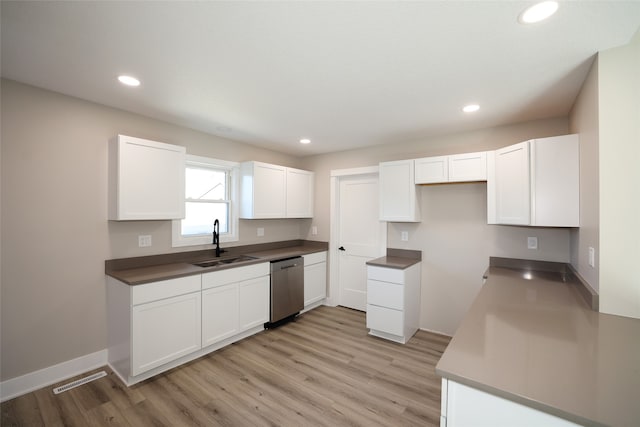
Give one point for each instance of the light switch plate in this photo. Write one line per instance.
(592, 257)
(532, 242)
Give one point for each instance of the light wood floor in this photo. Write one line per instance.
(322, 369)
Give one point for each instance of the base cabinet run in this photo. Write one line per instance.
(463, 406)
(393, 302)
(157, 326)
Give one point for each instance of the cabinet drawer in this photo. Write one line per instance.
(385, 320)
(315, 258)
(384, 274)
(385, 294)
(165, 289)
(231, 275)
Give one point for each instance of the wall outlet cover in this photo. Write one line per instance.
(404, 236)
(144, 241)
(532, 242)
(260, 231)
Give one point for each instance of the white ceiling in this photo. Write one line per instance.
(345, 74)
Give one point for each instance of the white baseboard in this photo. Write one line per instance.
(35, 380)
(436, 332)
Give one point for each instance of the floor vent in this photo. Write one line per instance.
(79, 382)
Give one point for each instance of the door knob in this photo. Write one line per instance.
(341, 248)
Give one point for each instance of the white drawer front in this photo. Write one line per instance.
(385, 274)
(385, 294)
(232, 275)
(165, 289)
(315, 258)
(385, 319)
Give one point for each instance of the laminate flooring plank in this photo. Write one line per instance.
(322, 369)
(145, 414)
(106, 415)
(23, 410)
(60, 409)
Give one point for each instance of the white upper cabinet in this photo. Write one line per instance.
(429, 170)
(299, 193)
(536, 183)
(555, 181)
(512, 194)
(272, 191)
(465, 167)
(468, 167)
(263, 189)
(146, 179)
(399, 196)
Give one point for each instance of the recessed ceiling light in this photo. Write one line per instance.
(471, 108)
(538, 12)
(128, 80)
(305, 141)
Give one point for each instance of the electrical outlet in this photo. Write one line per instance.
(532, 242)
(592, 257)
(260, 231)
(314, 230)
(404, 236)
(144, 241)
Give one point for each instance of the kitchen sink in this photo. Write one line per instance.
(224, 261)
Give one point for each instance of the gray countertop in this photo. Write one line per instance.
(141, 270)
(398, 259)
(531, 338)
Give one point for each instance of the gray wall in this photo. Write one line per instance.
(619, 178)
(55, 233)
(454, 237)
(583, 120)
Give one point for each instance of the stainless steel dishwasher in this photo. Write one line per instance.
(287, 290)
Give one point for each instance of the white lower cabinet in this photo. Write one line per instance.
(165, 330)
(463, 406)
(219, 320)
(157, 326)
(315, 277)
(233, 301)
(253, 304)
(393, 302)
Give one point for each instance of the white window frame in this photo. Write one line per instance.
(177, 239)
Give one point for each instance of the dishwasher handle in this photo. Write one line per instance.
(284, 267)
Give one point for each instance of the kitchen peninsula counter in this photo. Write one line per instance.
(530, 337)
(140, 270)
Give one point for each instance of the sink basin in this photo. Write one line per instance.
(224, 261)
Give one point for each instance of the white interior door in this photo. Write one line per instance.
(361, 237)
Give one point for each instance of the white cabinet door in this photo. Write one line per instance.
(146, 179)
(555, 181)
(512, 195)
(399, 198)
(165, 330)
(263, 190)
(431, 170)
(253, 302)
(219, 313)
(299, 193)
(468, 167)
(315, 282)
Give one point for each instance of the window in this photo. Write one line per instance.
(210, 194)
